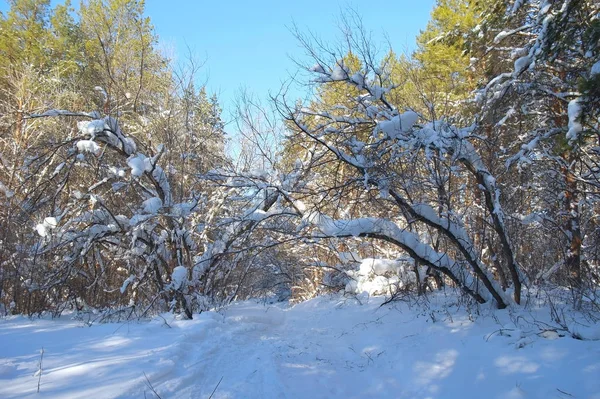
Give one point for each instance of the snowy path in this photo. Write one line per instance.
(324, 348)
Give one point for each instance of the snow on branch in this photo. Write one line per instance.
(387, 230)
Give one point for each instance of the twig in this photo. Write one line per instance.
(165, 321)
(215, 390)
(149, 384)
(40, 370)
(563, 392)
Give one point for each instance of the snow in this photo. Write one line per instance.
(178, 277)
(545, 7)
(378, 92)
(398, 124)
(126, 283)
(500, 36)
(152, 205)
(317, 68)
(139, 164)
(55, 112)
(574, 112)
(405, 239)
(44, 228)
(516, 5)
(408, 120)
(258, 215)
(329, 347)
(339, 72)
(511, 111)
(116, 138)
(521, 64)
(91, 127)
(88, 146)
(391, 127)
(117, 171)
(358, 79)
(595, 69)
(183, 209)
(380, 277)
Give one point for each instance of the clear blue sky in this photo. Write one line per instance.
(249, 43)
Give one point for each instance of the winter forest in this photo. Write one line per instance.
(458, 184)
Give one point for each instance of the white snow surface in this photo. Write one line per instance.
(329, 347)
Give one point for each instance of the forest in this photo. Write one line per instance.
(468, 169)
(471, 163)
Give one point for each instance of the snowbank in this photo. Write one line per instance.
(329, 347)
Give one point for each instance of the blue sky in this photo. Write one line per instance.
(248, 44)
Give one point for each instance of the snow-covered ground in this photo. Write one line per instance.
(330, 347)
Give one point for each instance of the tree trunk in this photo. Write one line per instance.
(573, 229)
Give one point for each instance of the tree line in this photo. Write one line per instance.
(470, 163)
